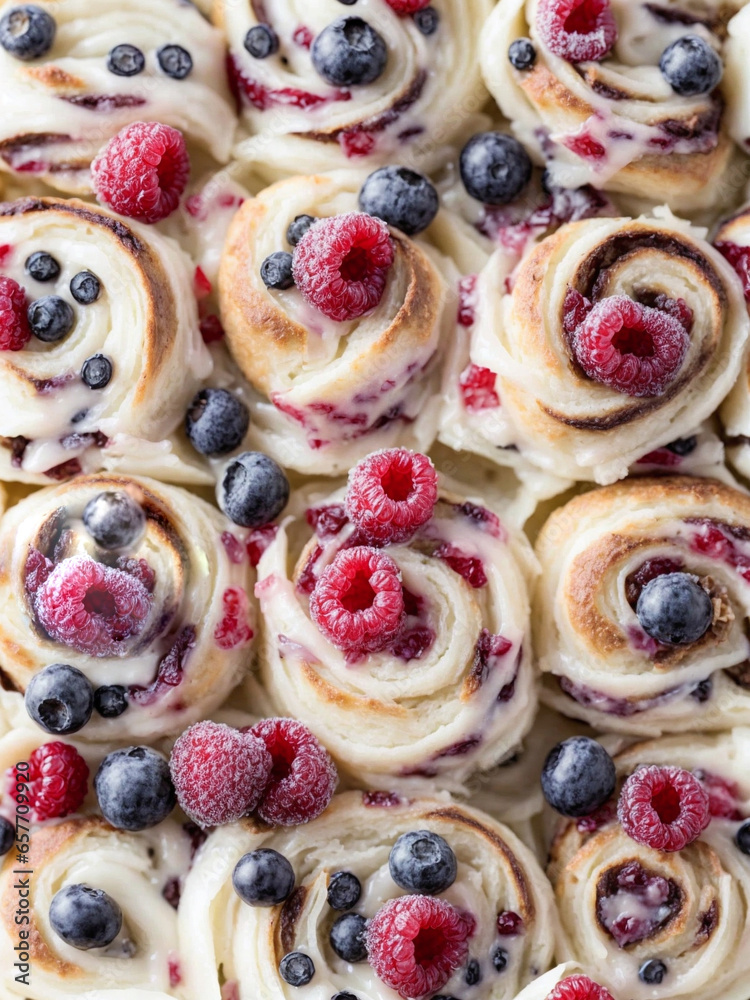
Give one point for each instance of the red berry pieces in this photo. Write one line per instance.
(632, 348)
(577, 30)
(303, 776)
(416, 943)
(478, 388)
(219, 773)
(142, 171)
(234, 628)
(341, 265)
(391, 494)
(405, 7)
(739, 258)
(38, 567)
(58, 780)
(358, 603)
(14, 325)
(471, 568)
(509, 924)
(579, 988)
(663, 807)
(92, 607)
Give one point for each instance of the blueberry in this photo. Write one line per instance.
(348, 937)
(253, 490)
(27, 32)
(742, 837)
(298, 227)
(174, 61)
(60, 699)
(400, 197)
(427, 20)
(578, 776)
(263, 878)
(261, 41)
(499, 959)
(690, 66)
(51, 318)
(683, 446)
(473, 973)
(7, 835)
(110, 700)
(495, 168)
(349, 53)
(702, 690)
(96, 371)
(652, 972)
(84, 917)
(134, 788)
(296, 969)
(345, 994)
(126, 60)
(113, 519)
(421, 861)
(344, 890)
(276, 270)
(42, 266)
(85, 287)
(675, 609)
(216, 422)
(522, 54)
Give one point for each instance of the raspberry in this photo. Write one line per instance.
(575, 310)
(341, 265)
(92, 607)
(140, 569)
(509, 924)
(219, 773)
(234, 629)
(57, 779)
(478, 388)
(391, 494)
(629, 347)
(663, 807)
(14, 324)
(723, 796)
(577, 30)
(579, 988)
(358, 603)
(142, 171)
(303, 777)
(739, 258)
(405, 7)
(416, 943)
(326, 521)
(38, 567)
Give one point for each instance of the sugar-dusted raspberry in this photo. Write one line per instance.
(303, 776)
(405, 7)
(416, 943)
(341, 265)
(92, 607)
(391, 494)
(665, 808)
(140, 569)
(142, 171)
(575, 310)
(57, 781)
(219, 773)
(632, 348)
(38, 567)
(14, 324)
(579, 988)
(739, 258)
(577, 30)
(478, 388)
(675, 307)
(234, 628)
(358, 603)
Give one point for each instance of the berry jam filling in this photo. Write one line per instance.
(381, 800)
(467, 300)
(258, 541)
(481, 518)
(489, 655)
(647, 572)
(633, 903)
(327, 521)
(723, 796)
(715, 541)
(234, 629)
(170, 670)
(477, 386)
(471, 568)
(739, 258)
(263, 97)
(416, 637)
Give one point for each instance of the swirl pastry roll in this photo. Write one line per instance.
(104, 372)
(614, 338)
(133, 869)
(603, 659)
(452, 692)
(108, 65)
(623, 904)
(331, 391)
(416, 99)
(495, 874)
(158, 604)
(611, 118)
